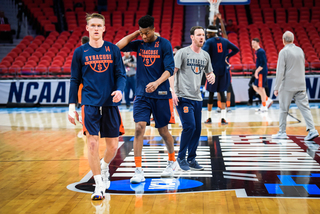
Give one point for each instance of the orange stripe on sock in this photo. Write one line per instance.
(138, 161)
(228, 103)
(171, 156)
(219, 104)
(263, 103)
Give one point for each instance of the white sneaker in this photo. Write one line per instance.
(99, 192)
(169, 170)
(138, 176)
(269, 102)
(280, 135)
(311, 135)
(262, 109)
(105, 177)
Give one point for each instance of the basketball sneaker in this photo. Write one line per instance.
(138, 176)
(280, 135)
(229, 110)
(99, 193)
(269, 102)
(262, 109)
(218, 110)
(170, 169)
(184, 166)
(224, 122)
(208, 121)
(105, 177)
(311, 135)
(194, 165)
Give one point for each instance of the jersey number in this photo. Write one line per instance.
(219, 46)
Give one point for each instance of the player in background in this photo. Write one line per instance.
(84, 40)
(261, 75)
(218, 49)
(218, 21)
(190, 64)
(154, 66)
(98, 65)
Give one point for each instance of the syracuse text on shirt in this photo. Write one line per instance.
(149, 56)
(99, 62)
(197, 65)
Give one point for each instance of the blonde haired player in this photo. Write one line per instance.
(98, 65)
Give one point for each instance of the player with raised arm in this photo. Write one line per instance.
(155, 65)
(218, 49)
(98, 65)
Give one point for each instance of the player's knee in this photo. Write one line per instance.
(93, 146)
(189, 127)
(223, 97)
(139, 129)
(163, 131)
(113, 148)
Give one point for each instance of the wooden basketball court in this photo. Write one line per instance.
(41, 154)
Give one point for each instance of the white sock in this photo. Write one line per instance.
(209, 114)
(223, 113)
(98, 180)
(104, 164)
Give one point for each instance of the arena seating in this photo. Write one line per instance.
(269, 21)
(41, 15)
(50, 55)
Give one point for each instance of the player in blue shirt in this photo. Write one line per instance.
(218, 49)
(98, 65)
(261, 75)
(155, 65)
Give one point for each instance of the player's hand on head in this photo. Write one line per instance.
(73, 114)
(151, 87)
(117, 96)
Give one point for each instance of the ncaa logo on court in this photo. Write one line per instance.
(253, 166)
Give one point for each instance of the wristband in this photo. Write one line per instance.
(72, 109)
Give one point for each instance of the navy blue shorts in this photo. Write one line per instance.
(161, 109)
(221, 83)
(261, 80)
(106, 120)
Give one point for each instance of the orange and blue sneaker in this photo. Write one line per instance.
(98, 193)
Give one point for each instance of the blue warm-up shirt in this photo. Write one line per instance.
(218, 49)
(100, 70)
(261, 60)
(153, 59)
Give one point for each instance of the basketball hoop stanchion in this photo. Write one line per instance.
(214, 9)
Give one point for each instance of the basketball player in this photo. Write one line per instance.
(98, 65)
(190, 64)
(218, 49)
(261, 75)
(154, 66)
(217, 21)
